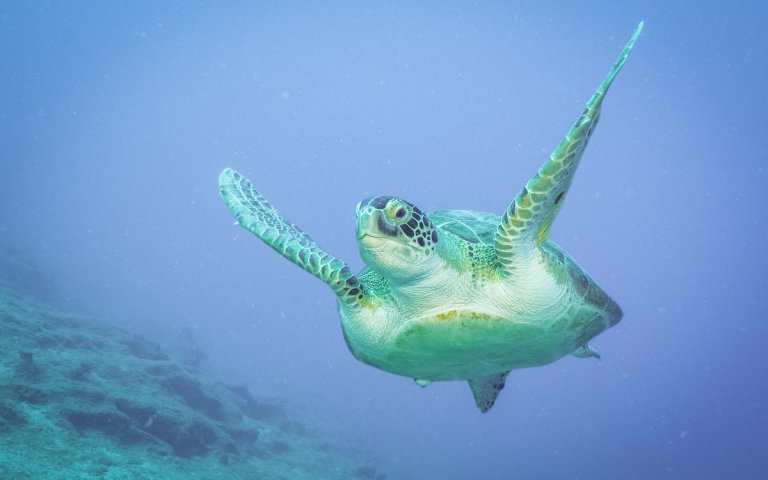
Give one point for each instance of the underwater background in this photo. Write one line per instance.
(117, 117)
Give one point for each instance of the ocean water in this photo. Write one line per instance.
(117, 117)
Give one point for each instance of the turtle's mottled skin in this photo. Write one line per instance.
(456, 294)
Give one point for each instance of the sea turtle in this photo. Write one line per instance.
(456, 294)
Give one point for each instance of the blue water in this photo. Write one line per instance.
(116, 118)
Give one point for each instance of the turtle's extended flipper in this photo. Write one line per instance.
(527, 220)
(256, 214)
(486, 389)
(586, 351)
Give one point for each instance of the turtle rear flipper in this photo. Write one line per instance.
(526, 222)
(486, 389)
(586, 351)
(254, 213)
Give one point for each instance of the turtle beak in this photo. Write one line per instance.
(371, 222)
(366, 222)
(361, 215)
(368, 236)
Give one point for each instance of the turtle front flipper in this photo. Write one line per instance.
(256, 214)
(526, 222)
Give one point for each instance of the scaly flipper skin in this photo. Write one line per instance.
(257, 215)
(486, 389)
(526, 222)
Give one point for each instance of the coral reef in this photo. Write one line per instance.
(80, 399)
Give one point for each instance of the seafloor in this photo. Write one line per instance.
(79, 399)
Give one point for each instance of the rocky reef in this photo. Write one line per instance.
(79, 399)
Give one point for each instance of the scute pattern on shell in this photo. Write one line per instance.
(469, 225)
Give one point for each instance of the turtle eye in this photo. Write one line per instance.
(400, 213)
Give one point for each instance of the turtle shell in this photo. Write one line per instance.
(472, 226)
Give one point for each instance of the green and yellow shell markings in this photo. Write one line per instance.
(463, 314)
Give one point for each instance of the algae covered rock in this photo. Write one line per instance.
(115, 405)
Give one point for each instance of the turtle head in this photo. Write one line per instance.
(394, 236)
